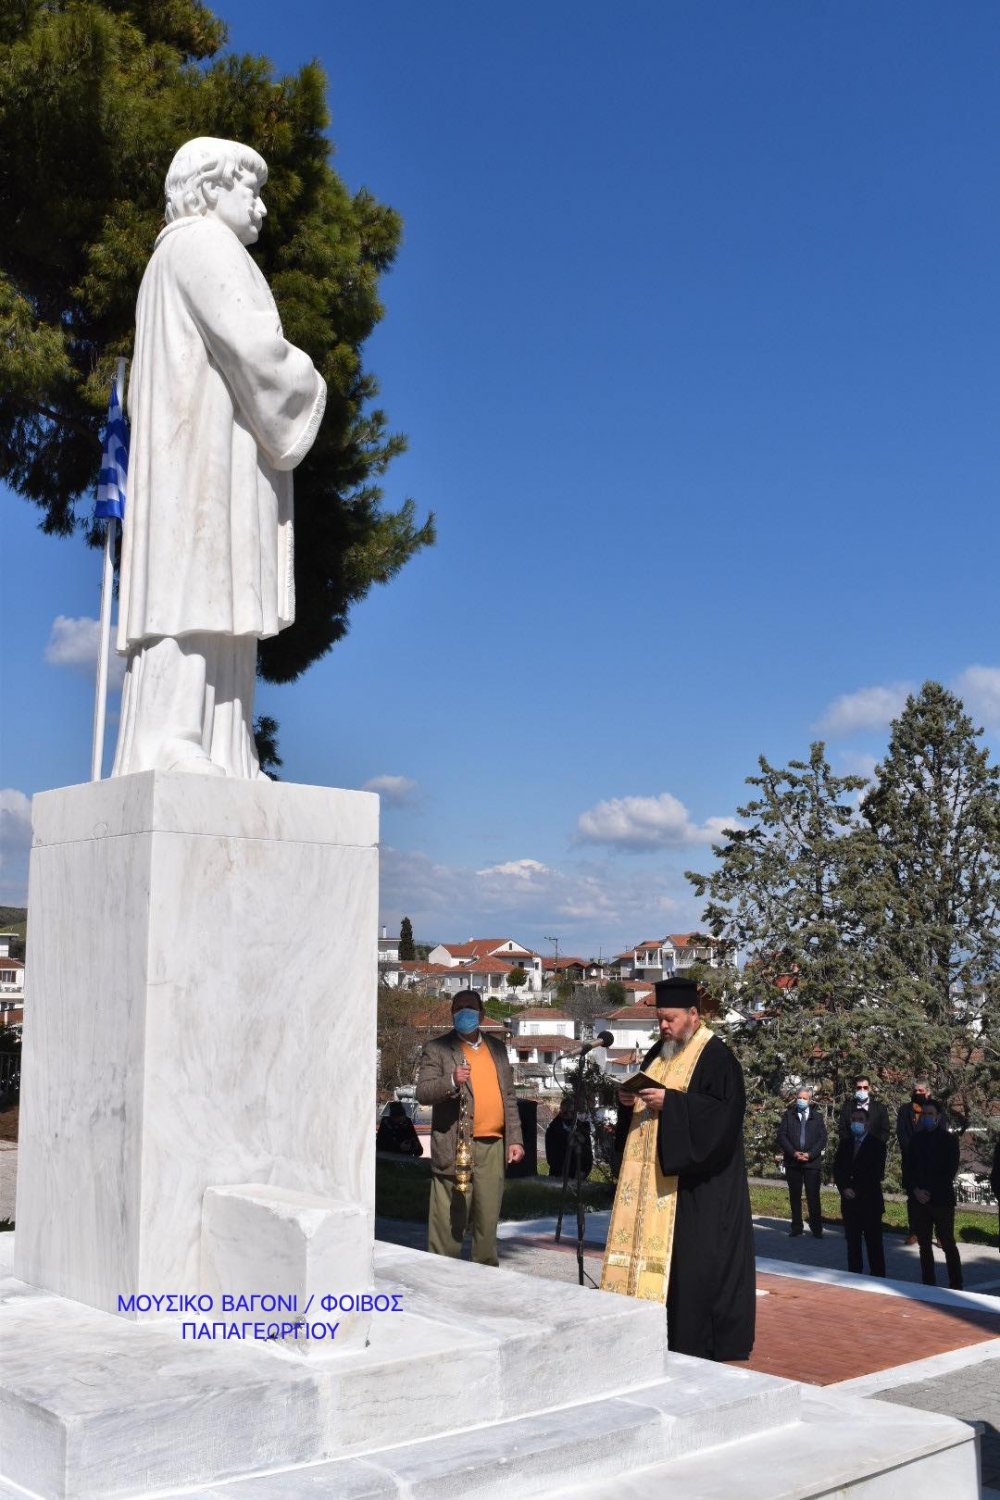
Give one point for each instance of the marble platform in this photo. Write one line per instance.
(203, 989)
(488, 1384)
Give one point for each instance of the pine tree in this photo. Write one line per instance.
(933, 891)
(406, 948)
(95, 97)
(785, 895)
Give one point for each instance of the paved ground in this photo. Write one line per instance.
(973, 1395)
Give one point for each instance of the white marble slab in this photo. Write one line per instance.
(203, 1011)
(164, 802)
(92, 1405)
(841, 1446)
(254, 1236)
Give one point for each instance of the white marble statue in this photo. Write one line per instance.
(222, 409)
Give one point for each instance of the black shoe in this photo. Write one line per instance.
(794, 1231)
(817, 1234)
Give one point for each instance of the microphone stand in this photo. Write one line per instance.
(573, 1168)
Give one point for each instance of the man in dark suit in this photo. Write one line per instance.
(876, 1113)
(929, 1180)
(858, 1170)
(907, 1124)
(465, 1067)
(802, 1141)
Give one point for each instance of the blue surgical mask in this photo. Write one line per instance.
(861, 1095)
(802, 1105)
(928, 1122)
(858, 1127)
(466, 1021)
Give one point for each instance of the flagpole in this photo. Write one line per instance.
(104, 627)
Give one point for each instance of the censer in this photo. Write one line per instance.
(463, 1153)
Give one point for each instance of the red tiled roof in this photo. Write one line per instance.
(548, 1043)
(487, 966)
(481, 948)
(438, 1015)
(633, 1013)
(542, 1013)
(421, 966)
(564, 963)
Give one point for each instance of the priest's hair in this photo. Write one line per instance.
(202, 160)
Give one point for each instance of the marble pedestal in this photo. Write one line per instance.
(202, 1015)
(488, 1384)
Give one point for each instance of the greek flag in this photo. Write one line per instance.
(114, 460)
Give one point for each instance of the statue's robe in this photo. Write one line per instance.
(222, 408)
(711, 1294)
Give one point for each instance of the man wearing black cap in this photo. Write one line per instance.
(466, 1078)
(681, 1225)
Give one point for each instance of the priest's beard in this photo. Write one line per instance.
(668, 1049)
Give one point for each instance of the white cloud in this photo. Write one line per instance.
(637, 823)
(73, 643)
(868, 708)
(397, 791)
(979, 690)
(519, 869)
(588, 904)
(15, 844)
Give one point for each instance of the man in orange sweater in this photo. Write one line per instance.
(466, 1062)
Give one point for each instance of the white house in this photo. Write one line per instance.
(543, 1020)
(541, 1037)
(388, 959)
(659, 958)
(634, 1030)
(11, 983)
(473, 954)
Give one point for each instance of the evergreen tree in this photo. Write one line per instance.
(95, 97)
(785, 894)
(406, 948)
(932, 891)
(265, 733)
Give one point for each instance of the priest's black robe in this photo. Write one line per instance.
(711, 1296)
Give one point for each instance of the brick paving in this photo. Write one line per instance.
(821, 1334)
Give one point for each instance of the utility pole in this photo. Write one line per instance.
(554, 940)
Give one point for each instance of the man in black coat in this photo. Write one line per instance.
(929, 1180)
(802, 1141)
(876, 1113)
(711, 1291)
(907, 1124)
(858, 1170)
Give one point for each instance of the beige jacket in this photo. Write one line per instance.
(438, 1061)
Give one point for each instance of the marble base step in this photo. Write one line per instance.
(699, 1406)
(92, 1405)
(841, 1446)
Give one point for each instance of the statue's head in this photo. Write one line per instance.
(216, 179)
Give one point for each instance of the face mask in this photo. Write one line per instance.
(802, 1105)
(466, 1021)
(928, 1122)
(857, 1128)
(861, 1095)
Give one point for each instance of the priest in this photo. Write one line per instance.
(681, 1228)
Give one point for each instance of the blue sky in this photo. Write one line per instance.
(695, 335)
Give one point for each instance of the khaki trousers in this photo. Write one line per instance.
(452, 1213)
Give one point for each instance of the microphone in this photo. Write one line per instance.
(596, 1053)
